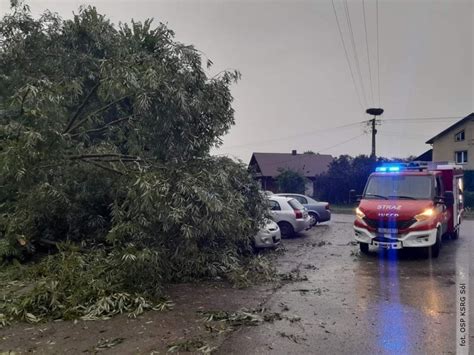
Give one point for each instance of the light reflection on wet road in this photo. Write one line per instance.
(385, 303)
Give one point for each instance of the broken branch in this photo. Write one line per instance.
(80, 108)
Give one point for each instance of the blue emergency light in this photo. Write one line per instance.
(389, 168)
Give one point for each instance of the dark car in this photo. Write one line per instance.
(318, 211)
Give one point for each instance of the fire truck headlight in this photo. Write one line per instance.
(359, 213)
(426, 214)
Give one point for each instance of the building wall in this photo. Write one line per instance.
(445, 146)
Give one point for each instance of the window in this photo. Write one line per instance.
(458, 137)
(399, 186)
(460, 157)
(295, 204)
(300, 199)
(439, 187)
(274, 206)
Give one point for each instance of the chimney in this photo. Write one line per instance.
(293, 152)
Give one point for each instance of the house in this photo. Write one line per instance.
(268, 166)
(456, 143)
(426, 156)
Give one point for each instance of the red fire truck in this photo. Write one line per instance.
(410, 205)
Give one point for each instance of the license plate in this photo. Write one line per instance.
(383, 245)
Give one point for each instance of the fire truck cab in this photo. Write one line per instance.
(410, 205)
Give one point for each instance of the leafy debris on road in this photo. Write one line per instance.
(294, 275)
(211, 329)
(323, 243)
(293, 337)
(233, 318)
(192, 345)
(355, 253)
(315, 291)
(241, 317)
(108, 343)
(293, 319)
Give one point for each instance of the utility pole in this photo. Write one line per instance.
(374, 112)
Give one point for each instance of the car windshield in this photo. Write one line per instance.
(399, 186)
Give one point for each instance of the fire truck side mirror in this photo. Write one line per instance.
(352, 196)
(448, 198)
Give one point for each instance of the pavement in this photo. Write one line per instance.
(384, 303)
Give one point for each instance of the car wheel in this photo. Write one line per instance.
(314, 219)
(286, 229)
(364, 248)
(436, 247)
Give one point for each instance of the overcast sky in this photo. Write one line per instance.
(296, 84)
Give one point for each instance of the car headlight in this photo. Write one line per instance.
(359, 213)
(426, 214)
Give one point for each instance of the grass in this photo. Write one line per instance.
(343, 209)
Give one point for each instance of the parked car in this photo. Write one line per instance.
(269, 236)
(289, 214)
(318, 211)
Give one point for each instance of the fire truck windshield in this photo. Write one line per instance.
(410, 187)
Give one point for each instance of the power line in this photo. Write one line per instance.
(378, 49)
(356, 57)
(347, 57)
(411, 120)
(297, 135)
(403, 134)
(343, 142)
(422, 118)
(368, 54)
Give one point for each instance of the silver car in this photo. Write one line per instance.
(269, 236)
(318, 211)
(289, 214)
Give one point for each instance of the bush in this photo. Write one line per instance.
(291, 182)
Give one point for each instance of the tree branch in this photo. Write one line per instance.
(102, 156)
(80, 108)
(103, 128)
(104, 167)
(23, 99)
(103, 108)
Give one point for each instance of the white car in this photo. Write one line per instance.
(269, 236)
(289, 214)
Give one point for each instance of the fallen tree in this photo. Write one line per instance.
(108, 186)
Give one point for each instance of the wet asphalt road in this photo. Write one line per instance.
(357, 304)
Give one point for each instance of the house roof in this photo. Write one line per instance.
(426, 156)
(310, 165)
(457, 124)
